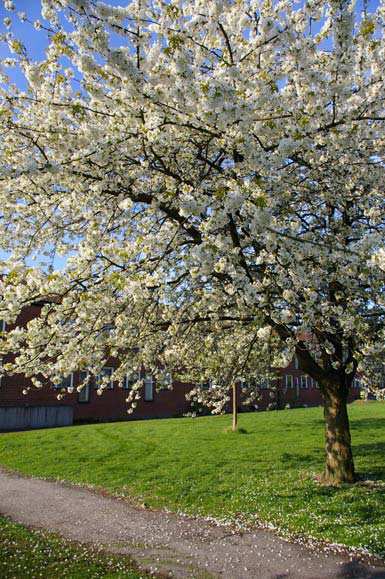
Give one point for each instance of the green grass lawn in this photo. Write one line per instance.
(27, 554)
(195, 466)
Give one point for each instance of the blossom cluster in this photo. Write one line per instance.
(210, 178)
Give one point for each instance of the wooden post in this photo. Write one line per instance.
(235, 408)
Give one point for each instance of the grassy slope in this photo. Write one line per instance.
(197, 467)
(29, 554)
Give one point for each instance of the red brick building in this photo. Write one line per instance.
(291, 387)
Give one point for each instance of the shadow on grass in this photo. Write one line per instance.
(229, 430)
(372, 478)
(357, 423)
(367, 423)
(374, 454)
(295, 460)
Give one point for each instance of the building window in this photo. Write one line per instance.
(84, 394)
(289, 381)
(131, 378)
(257, 383)
(303, 383)
(166, 380)
(296, 363)
(148, 388)
(105, 373)
(206, 385)
(264, 383)
(2, 326)
(65, 383)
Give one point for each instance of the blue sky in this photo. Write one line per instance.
(35, 41)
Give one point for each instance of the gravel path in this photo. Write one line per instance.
(165, 542)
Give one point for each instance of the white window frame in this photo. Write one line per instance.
(289, 381)
(167, 379)
(86, 390)
(207, 385)
(71, 384)
(148, 382)
(263, 384)
(303, 382)
(130, 379)
(84, 394)
(99, 378)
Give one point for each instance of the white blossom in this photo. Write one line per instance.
(215, 197)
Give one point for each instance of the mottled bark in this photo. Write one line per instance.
(339, 466)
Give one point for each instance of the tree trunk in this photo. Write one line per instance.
(235, 408)
(339, 457)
